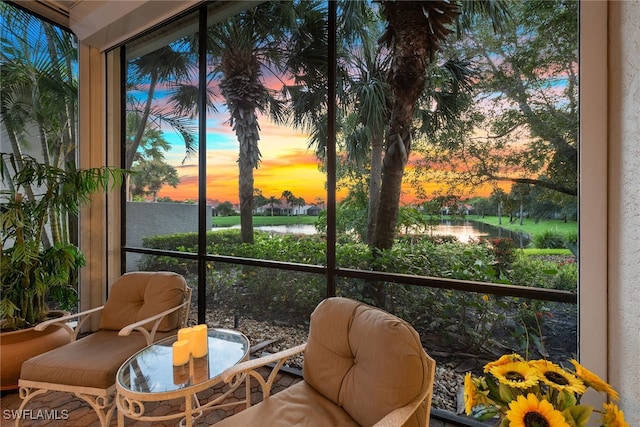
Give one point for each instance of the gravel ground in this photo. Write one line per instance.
(446, 385)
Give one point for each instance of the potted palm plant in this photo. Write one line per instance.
(38, 270)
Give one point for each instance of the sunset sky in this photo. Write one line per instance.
(286, 164)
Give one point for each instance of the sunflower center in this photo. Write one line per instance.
(556, 378)
(514, 376)
(535, 419)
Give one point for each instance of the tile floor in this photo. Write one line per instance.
(72, 411)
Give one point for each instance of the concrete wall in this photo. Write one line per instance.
(154, 219)
(624, 205)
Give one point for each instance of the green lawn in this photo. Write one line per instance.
(228, 221)
(529, 226)
(542, 252)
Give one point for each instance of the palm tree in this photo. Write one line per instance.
(165, 65)
(39, 91)
(299, 202)
(290, 198)
(414, 32)
(370, 100)
(273, 200)
(244, 46)
(365, 100)
(363, 97)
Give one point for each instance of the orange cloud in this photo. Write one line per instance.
(295, 170)
(287, 164)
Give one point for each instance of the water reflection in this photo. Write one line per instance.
(307, 229)
(464, 230)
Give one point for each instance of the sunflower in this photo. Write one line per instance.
(473, 394)
(516, 374)
(531, 412)
(613, 417)
(556, 377)
(504, 359)
(594, 381)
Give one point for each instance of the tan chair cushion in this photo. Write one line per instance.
(363, 359)
(138, 295)
(298, 405)
(91, 361)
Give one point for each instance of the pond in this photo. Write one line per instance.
(464, 230)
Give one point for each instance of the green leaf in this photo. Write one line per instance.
(494, 391)
(506, 393)
(577, 416)
(565, 400)
(484, 413)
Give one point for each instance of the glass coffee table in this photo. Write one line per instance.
(149, 376)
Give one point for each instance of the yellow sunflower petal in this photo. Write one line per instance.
(475, 393)
(529, 411)
(613, 417)
(592, 380)
(516, 374)
(503, 360)
(469, 389)
(557, 378)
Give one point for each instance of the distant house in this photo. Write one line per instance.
(460, 208)
(313, 210)
(285, 208)
(271, 209)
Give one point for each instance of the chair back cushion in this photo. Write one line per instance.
(365, 360)
(141, 294)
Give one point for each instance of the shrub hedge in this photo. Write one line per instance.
(466, 321)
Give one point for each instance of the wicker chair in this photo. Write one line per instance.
(362, 367)
(142, 308)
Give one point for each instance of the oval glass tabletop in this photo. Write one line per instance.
(151, 369)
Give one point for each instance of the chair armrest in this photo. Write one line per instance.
(156, 319)
(250, 367)
(399, 416)
(64, 322)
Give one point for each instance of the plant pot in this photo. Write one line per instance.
(18, 346)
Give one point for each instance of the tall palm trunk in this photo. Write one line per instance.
(375, 181)
(415, 30)
(62, 145)
(245, 95)
(246, 126)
